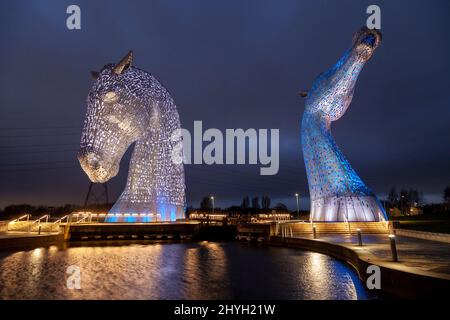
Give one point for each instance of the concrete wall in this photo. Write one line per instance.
(103, 230)
(35, 241)
(3, 226)
(254, 228)
(432, 236)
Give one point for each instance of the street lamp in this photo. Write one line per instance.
(212, 199)
(296, 197)
(402, 205)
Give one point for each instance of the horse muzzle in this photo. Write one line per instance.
(94, 165)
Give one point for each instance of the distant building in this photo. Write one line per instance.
(208, 217)
(415, 211)
(272, 217)
(395, 212)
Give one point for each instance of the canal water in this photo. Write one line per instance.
(204, 270)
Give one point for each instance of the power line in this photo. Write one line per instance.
(243, 174)
(42, 135)
(3, 171)
(33, 163)
(229, 173)
(41, 151)
(40, 128)
(40, 145)
(237, 186)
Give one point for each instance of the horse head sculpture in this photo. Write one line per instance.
(337, 193)
(128, 105)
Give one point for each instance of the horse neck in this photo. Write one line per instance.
(327, 167)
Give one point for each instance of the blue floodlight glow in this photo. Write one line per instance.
(337, 193)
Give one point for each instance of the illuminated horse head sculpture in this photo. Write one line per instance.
(127, 105)
(337, 192)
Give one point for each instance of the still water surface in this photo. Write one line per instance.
(205, 270)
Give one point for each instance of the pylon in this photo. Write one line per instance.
(96, 194)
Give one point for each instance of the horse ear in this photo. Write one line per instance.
(303, 94)
(95, 74)
(124, 64)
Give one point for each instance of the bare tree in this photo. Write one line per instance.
(413, 198)
(393, 197)
(255, 203)
(205, 204)
(447, 194)
(404, 201)
(245, 203)
(265, 202)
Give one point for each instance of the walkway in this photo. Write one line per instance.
(415, 255)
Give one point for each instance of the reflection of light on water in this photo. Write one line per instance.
(192, 271)
(216, 266)
(327, 277)
(52, 250)
(205, 266)
(34, 265)
(317, 263)
(317, 274)
(205, 270)
(123, 272)
(37, 254)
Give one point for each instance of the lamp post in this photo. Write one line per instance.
(296, 197)
(401, 203)
(212, 199)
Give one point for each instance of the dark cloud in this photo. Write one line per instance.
(231, 64)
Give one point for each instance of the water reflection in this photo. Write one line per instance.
(205, 266)
(204, 270)
(325, 279)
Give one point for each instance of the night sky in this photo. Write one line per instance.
(231, 64)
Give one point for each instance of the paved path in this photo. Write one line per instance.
(413, 254)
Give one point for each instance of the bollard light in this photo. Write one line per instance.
(393, 248)
(314, 232)
(359, 237)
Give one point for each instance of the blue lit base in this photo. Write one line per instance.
(131, 218)
(144, 213)
(348, 208)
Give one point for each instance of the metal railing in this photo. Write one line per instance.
(60, 220)
(38, 221)
(86, 217)
(12, 222)
(56, 224)
(83, 219)
(24, 224)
